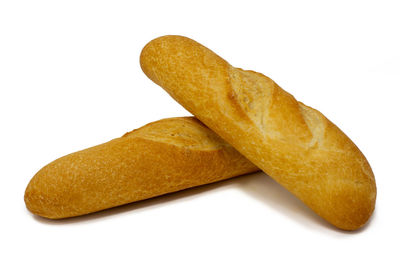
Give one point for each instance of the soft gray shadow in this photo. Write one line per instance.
(265, 189)
(257, 185)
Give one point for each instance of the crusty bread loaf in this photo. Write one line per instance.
(159, 158)
(293, 143)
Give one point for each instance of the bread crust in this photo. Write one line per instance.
(293, 143)
(162, 157)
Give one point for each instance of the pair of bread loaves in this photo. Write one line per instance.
(293, 143)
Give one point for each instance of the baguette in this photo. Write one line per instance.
(161, 157)
(293, 143)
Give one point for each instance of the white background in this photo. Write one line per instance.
(70, 79)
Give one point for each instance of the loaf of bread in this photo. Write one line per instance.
(161, 157)
(293, 143)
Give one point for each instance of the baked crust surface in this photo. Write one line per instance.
(159, 158)
(293, 143)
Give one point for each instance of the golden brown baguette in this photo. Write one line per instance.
(161, 157)
(293, 143)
